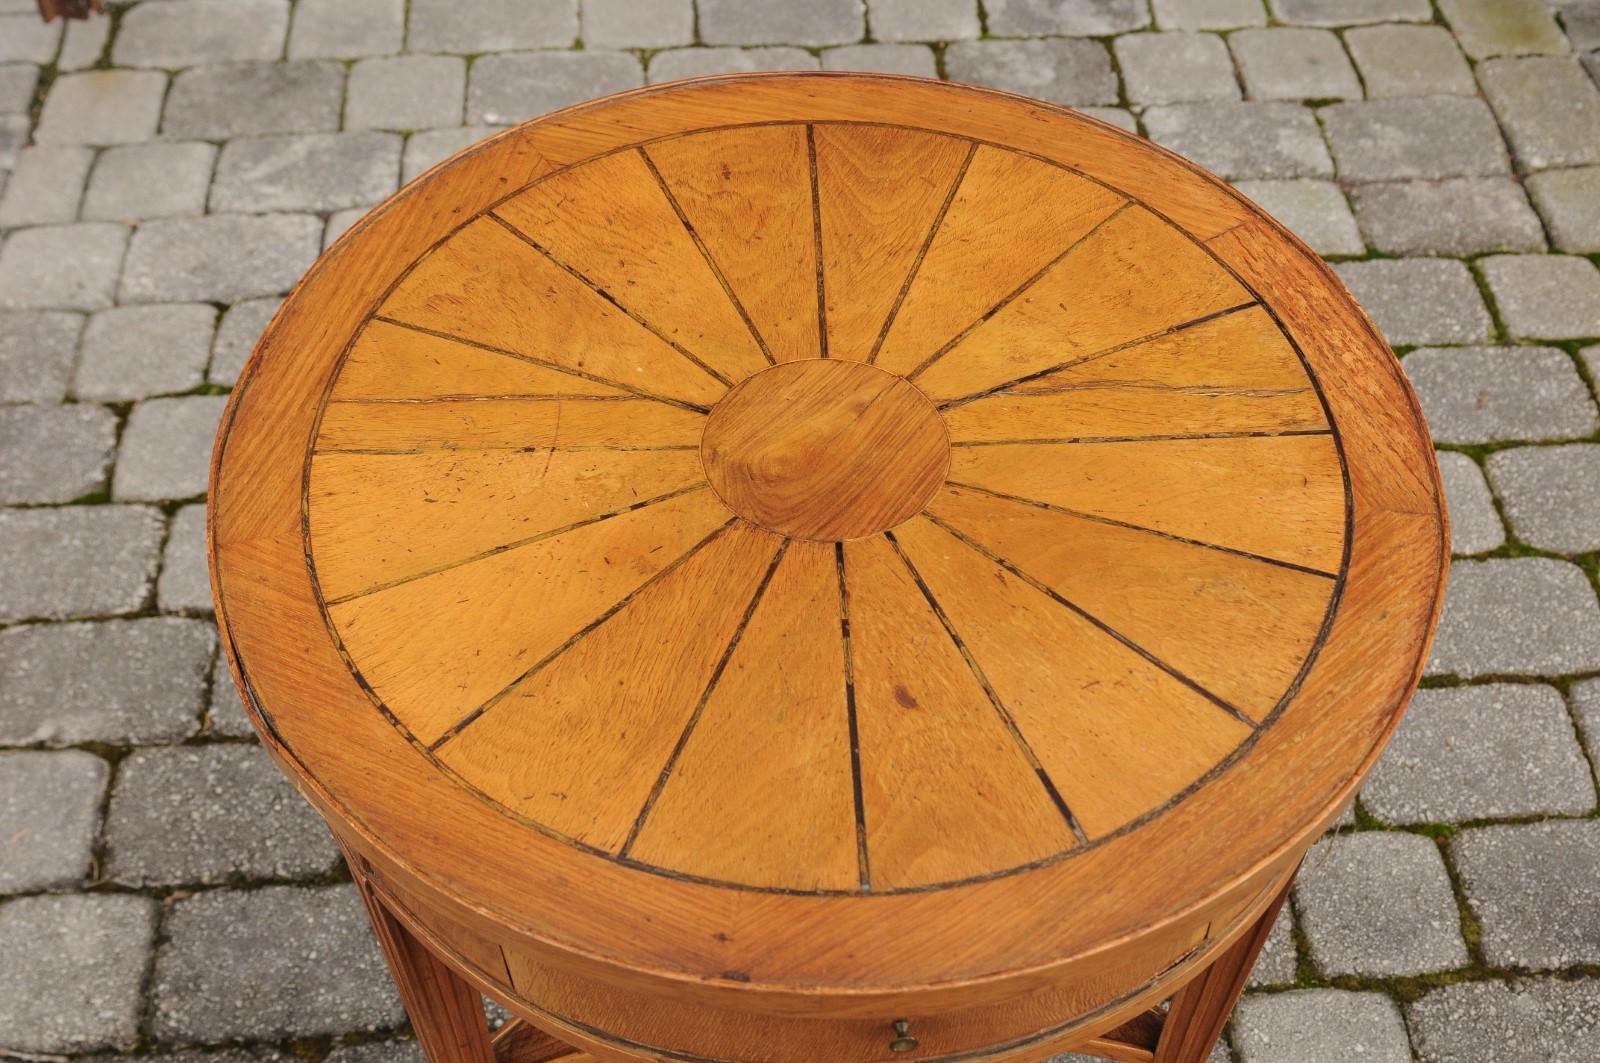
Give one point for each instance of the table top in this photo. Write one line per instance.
(831, 525)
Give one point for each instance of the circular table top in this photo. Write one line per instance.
(847, 506)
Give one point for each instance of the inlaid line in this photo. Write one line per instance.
(1015, 293)
(863, 860)
(1114, 349)
(1216, 699)
(816, 229)
(1145, 529)
(1172, 437)
(922, 252)
(599, 290)
(545, 364)
(705, 697)
(617, 607)
(519, 543)
(988, 689)
(705, 252)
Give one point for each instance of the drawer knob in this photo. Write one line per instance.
(903, 1041)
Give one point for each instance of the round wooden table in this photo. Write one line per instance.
(800, 567)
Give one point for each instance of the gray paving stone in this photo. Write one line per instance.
(203, 815)
(378, 1052)
(1569, 202)
(1549, 108)
(1243, 140)
(1278, 960)
(54, 453)
(248, 1054)
(1350, 12)
(923, 20)
(71, 971)
(1487, 394)
(173, 259)
(1419, 300)
(1081, 18)
(1315, 211)
(641, 23)
(1175, 67)
(1072, 72)
(1549, 495)
(1208, 14)
(1585, 697)
(227, 716)
(1536, 1020)
(1293, 64)
(1378, 903)
(346, 29)
(46, 185)
(1580, 19)
(70, 267)
(406, 92)
(242, 325)
(1591, 63)
(14, 129)
(185, 583)
(339, 222)
(696, 62)
(102, 107)
(130, 352)
(155, 180)
(1319, 1026)
(1481, 752)
(37, 350)
(1534, 889)
(1427, 137)
(76, 560)
(119, 681)
(1503, 27)
(1410, 61)
(512, 88)
(781, 22)
(27, 38)
(166, 448)
(1517, 616)
(1545, 296)
(311, 172)
(228, 100)
(84, 44)
(17, 82)
(1474, 525)
(425, 150)
(268, 963)
(180, 33)
(915, 59)
(470, 26)
(1458, 216)
(1117, 116)
(49, 817)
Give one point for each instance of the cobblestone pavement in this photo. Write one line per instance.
(168, 171)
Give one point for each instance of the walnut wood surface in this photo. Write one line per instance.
(792, 537)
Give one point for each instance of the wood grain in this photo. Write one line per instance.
(487, 286)
(746, 193)
(762, 791)
(974, 261)
(881, 191)
(825, 450)
(613, 223)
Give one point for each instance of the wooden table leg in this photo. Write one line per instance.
(1201, 1009)
(446, 1012)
